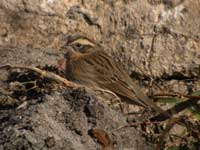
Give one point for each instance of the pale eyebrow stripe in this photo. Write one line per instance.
(84, 42)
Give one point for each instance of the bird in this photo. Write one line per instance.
(87, 63)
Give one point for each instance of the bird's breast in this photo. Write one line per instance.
(84, 72)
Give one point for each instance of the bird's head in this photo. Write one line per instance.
(79, 45)
(75, 48)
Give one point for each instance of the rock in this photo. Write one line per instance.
(132, 30)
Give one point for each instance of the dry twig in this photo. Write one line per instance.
(43, 73)
(178, 95)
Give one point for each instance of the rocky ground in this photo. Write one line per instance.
(53, 117)
(156, 40)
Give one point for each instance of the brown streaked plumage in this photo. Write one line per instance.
(88, 64)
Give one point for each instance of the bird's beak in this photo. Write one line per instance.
(65, 47)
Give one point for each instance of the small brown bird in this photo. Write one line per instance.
(87, 63)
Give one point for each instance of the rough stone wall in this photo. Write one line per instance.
(160, 37)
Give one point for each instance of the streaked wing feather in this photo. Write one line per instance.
(119, 82)
(124, 92)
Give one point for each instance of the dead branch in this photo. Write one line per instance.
(177, 95)
(175, 109)
(43, 73)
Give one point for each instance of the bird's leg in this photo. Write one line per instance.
(114, 101)
(110, 93)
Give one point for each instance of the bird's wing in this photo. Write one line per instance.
(111, 76)
(117, 80)
(130, 92)
(124, 92)
(99, 69)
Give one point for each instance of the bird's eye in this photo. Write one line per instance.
(78, 45)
